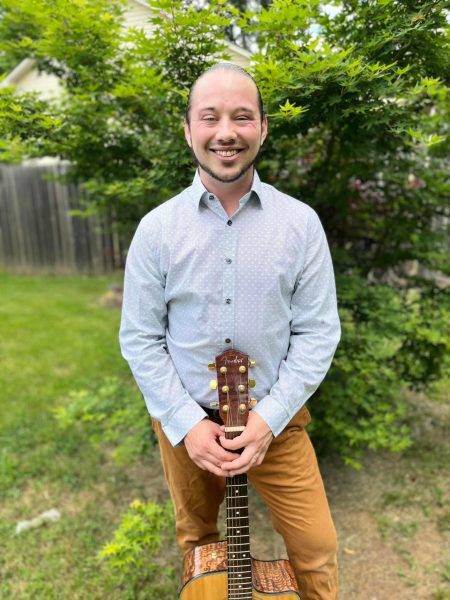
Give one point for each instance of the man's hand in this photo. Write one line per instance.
(202, 445)
(255, 438)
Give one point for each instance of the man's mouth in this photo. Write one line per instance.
(227, 152)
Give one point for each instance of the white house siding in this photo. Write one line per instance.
(137, 15)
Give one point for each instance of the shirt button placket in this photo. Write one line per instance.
(228, 283)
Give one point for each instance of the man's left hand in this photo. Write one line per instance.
(255, 439)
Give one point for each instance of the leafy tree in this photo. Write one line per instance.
(358, 130)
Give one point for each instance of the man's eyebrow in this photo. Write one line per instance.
(239, 109)
(244, 109)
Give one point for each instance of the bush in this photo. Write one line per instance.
(130, 555)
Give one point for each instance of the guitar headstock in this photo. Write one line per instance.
(232, 384)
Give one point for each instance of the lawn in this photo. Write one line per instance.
(56, 338)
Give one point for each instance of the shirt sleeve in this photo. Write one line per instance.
(315, 334)
(143, 340)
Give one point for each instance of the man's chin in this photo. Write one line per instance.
(225, 177)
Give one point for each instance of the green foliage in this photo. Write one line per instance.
(391, 339)
(112, 415)
(137, 541)
(358, 130)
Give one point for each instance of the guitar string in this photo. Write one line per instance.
(229, 486)
(236, 501)
(235, 483)
(243, 477)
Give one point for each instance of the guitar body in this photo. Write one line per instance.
(205, 576)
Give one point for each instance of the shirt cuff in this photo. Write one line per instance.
(273, 413)
(183, 420)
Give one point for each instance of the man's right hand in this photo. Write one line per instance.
(202, 445)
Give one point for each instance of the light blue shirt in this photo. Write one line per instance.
(198, 282)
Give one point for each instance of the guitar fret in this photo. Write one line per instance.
(238, 517)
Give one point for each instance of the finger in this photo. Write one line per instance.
(244, 460)
(213, 468)
(238, 442)
(219, 455)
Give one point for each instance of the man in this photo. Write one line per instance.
(233, 263)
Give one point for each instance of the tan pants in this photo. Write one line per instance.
(290, 483)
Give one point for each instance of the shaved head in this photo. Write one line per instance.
(224, 66)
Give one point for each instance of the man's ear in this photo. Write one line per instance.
(264, 129)
(187, 133)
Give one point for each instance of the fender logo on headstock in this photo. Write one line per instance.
(232, 385)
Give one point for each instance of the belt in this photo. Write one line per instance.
(213, 414)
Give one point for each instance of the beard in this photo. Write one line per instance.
(245, 167)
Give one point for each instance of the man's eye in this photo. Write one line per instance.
(242, 118)
(210, 118)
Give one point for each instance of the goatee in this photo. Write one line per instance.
(217, 177)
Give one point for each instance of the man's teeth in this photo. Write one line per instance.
(226, 152)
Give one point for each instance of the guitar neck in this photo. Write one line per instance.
(238, 539)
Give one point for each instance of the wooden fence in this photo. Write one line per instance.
(38, 233)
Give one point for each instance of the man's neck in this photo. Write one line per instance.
(229, 194)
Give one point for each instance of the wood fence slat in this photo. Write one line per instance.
(38, 234)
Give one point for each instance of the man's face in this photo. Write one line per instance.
(225, 132)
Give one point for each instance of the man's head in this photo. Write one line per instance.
(225, 124)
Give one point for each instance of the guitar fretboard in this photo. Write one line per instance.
(238, 539)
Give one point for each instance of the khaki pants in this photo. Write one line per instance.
(289, 482)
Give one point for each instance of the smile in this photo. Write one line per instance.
(227, 152)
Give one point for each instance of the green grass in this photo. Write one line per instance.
(55, 337)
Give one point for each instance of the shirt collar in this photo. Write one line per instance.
(197, 189)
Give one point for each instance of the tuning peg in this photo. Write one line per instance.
(242, 407)
(213, 384)
(252, 362)
(251, 383)
(241, 387)
(225, 389)
(212, 366)
(253, 402)
(242, 369)
(225, 408)
(223, 369)
(214, 405)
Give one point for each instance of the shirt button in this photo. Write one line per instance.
(228, 300)
(227, 341)
(211, 197)
(229, 222)
(228, 260)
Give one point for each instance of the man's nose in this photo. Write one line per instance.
(226, 130)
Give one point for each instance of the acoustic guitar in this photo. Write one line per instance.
(225, 570)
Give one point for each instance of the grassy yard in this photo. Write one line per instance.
(55, 337)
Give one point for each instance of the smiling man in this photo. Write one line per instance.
(231, 262)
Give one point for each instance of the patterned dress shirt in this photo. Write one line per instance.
(198, 282)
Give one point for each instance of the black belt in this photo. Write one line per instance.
(213, 414)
